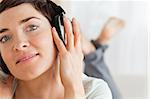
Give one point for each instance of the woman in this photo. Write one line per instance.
(43, 67)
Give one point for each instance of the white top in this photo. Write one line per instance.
(96, 88)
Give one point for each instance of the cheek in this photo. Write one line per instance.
(45, 41)
(46, 47)
(7, 55)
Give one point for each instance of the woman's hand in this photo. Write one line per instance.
(6, 88)
(71, 59)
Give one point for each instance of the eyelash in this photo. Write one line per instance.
(5, 38)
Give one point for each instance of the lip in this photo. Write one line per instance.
(26, 57)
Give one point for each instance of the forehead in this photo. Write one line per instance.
(18, 13)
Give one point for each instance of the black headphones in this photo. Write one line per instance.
(57, 22)
(59, 25)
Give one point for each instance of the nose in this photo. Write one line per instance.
(21, 45)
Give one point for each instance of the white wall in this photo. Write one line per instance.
(127, 56)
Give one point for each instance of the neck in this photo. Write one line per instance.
(48, 85)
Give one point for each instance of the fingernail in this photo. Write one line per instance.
(53, 29)
(73, 18)
(65, 18)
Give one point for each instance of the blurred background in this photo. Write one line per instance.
(127, 55)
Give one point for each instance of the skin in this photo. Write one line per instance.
(112, 26)
(110, 29)
(29, 51)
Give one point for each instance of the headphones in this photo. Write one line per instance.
(59, 25)
(57, 22)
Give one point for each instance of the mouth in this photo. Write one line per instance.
(26, 58)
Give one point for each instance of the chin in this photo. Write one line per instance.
(26, 76)
(31, 74)
(34, 70)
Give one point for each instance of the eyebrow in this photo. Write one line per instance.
(27, 19)
(21, 22)
(3, 30)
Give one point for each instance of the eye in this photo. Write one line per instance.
(31, 28)
(5, 39)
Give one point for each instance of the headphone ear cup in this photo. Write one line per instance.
(58, 24)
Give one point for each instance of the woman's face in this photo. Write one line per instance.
(26, 43)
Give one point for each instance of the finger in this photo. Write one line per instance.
(76, 30)
(59, 44)
(65, 38)
(69, 33)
